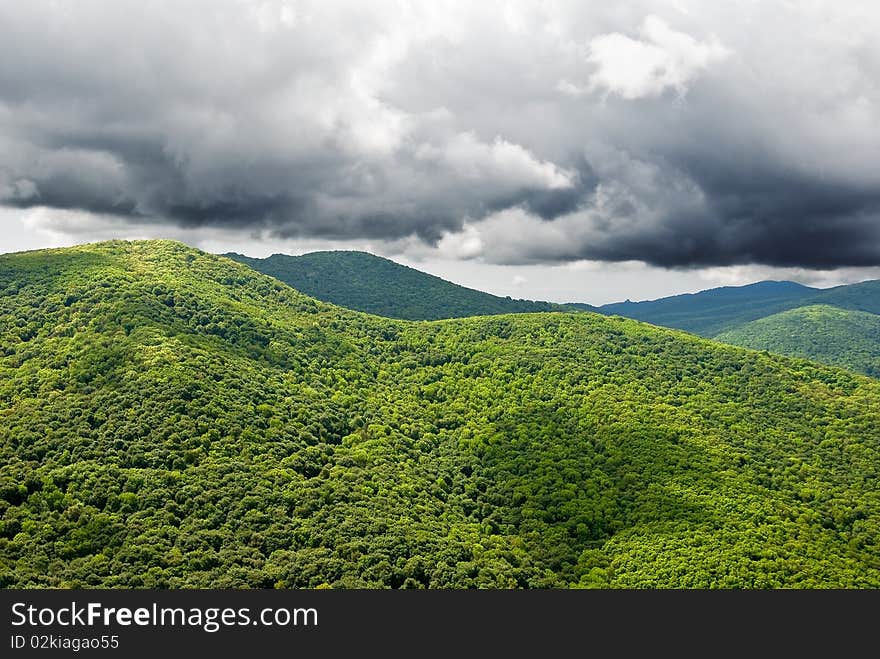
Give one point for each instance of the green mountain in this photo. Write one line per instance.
(837, 326)
(713, 311)
(864, 296)
(174, 419)
(364, 282)
(826, 334)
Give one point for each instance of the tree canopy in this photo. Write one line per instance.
(364, 282)
(170, 419)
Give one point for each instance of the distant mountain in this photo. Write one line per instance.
(840, 337)
(364, 282)
(864, 296)
(172, 419)
(837, 326)
(713, 311)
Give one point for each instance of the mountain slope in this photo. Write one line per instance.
(174, 419)
(781, 317)
(713, 311)
(864, 296)
(840, 337)
(364, 282)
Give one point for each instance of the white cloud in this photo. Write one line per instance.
(636, 68)
(500, 161)
(464, 244)
(496, 131)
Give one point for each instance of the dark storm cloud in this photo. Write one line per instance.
(764, 216)
(681, 136)
(551, 204)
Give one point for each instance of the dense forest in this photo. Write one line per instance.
(710, 312)
(170, 418)
(830, 335)
(750, 316)
(864, 296)
(718, 310)
(836, 326)
(364, 282)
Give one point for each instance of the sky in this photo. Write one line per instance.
(555, 150)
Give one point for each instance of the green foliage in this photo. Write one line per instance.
(830, 335)
(173, 419)
(363, 282)
(711, 312)
(781, 317)
(864, 296)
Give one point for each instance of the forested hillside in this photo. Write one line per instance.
(716, 310)
(836, 326)
(364, 282)
(830, 335)
(864, 296)
(170, 418)
(750, 316)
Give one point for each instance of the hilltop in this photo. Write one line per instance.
(827, 334)
(369, 283)
(175, 419)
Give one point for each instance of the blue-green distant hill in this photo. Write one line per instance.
(836, 326)
(826, 334)
(713, 311)
(864, 296)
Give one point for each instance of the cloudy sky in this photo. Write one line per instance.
(550, 150)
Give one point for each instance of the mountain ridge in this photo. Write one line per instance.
(373, 284)
(827, 334)
(717, 291)
(714, 310)
(175, 419)
(780, 317)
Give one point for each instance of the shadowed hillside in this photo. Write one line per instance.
(363, 282)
